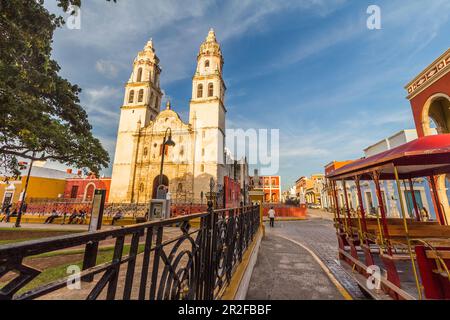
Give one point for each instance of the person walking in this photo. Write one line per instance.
(272, 217)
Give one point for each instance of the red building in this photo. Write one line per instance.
(82, 189)
(232, 193)
(271, 186)
(429, 95)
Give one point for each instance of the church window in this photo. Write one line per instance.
(141, 187)
(210, 90)
(145, 152)
(141, 95)
(207, 64)
(200, 91)
(202, 168)
(139, 75)
(131, 97)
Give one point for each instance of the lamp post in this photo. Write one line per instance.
(24, 193)
(167, 141)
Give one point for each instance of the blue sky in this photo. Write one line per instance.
(310, 68)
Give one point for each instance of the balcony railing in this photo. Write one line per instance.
(191, 257)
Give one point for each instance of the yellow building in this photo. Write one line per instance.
(44, 183)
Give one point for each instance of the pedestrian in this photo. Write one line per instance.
(425, 215)
(117, 217)
(272, 217)
(73, 216)
(7, 212)
(64, 217)
(52, 217)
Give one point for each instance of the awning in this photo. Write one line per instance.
(419, 158)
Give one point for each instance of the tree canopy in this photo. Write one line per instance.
(40, 113)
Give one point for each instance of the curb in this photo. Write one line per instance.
(238, 286)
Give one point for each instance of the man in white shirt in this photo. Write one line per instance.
(272, 217)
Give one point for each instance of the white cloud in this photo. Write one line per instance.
(107, 68)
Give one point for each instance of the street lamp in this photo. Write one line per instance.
(166, 142)
(24, 193)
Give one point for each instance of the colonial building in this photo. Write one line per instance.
(429, 95)
(44, 183)
(271, 186)
(198, 154)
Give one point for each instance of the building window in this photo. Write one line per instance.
(207, 64)
(180, 187)
(131, 97)
(203, 152)
(139, 75)
(141, 95)
(74, 192)
(202, 168)
(145, 152)
(141, 187)
(200, 91)
(210, 90)
(156, 103)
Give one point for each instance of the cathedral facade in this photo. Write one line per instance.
(198, 153)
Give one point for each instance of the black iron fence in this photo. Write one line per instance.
(191, 257)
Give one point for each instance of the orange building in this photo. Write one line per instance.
(327, 193)
(82, 188)
(271, 186)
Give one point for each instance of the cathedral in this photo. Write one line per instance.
(197, 152)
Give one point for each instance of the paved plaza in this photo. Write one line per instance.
(286, 270)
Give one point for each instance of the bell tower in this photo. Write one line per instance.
(207, 111)
(141, 105)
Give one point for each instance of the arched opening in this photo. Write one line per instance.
(436, 115)
(210, 90)
(131, 97)
(436, 120)
(207, 64)
(200, 91)
(89, 192)
(165, 182)
(141, 95)
(139, 75)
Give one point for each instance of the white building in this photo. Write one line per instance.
(198, 154)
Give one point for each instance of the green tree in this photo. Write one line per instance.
(40, 113)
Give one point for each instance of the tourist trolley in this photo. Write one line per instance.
(404, 258)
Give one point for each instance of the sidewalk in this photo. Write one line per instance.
(286, 271)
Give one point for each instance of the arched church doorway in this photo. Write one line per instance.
(436, 120)
(165, 182)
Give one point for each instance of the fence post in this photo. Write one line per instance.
(208, 267)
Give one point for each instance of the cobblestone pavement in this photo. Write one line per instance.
(318, 234)
(286, 271)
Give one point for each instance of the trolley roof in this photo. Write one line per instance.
(419, 158)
